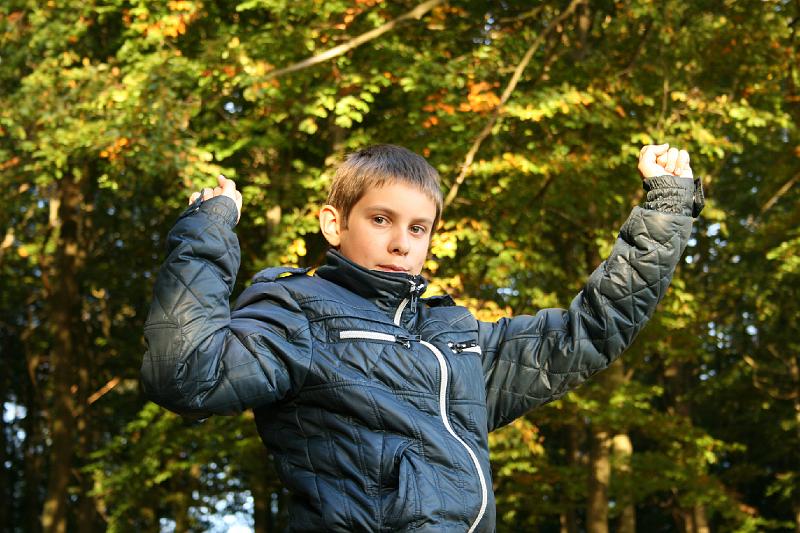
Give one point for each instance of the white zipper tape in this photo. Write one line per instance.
(446, 422)
(374, 335)
(399, 312)
(367, 335)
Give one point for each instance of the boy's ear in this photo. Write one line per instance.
(330, 224)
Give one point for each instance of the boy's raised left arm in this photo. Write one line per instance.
(201, 357)
(532, 360)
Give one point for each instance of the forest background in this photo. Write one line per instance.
(113, 112)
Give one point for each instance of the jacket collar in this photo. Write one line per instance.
(387, 290)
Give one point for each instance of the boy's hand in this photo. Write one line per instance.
(226, 188)
(660, 160)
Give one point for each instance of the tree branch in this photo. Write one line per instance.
(495, 116)
(336, 51)
(526, 15)
(777, 196)
(113, 382)
(631, 63)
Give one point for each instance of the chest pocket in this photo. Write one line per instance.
(464, 359)
(352, 349)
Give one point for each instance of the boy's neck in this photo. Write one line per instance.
(385, 289)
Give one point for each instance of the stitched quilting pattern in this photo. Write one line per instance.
(532, 360)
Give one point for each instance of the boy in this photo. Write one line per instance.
(377, 403)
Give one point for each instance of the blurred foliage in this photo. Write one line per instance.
(121, 108)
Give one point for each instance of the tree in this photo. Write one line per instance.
(112, 113)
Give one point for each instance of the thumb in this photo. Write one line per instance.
(660, 149)
(228, 186)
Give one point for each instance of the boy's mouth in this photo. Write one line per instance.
(392, 268)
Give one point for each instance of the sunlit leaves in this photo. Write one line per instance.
(148, 102)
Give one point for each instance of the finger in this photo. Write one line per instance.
(683, 162)
(193, 197)
(228, 186)
(655, 150)
(208, 193)
(672, 160)
(662, 160)
(218, 191)
(238, 200)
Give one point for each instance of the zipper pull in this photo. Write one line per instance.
(406, 340)
(461, 346)
(414, 292)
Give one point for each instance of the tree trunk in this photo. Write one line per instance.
(262, 506)
(567, 525)
(181, 505)
(568, 520)
(32, 470)
(794, 370)
(694, 519)
(623, 450)
(183, 487)
(599, 437)
(700, 519)
(64, 316)
(89, 518)
(797, 518)
(5, 478)
(599, 478)
(684, 520)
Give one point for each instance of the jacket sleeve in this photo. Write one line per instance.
(532, 360)
(201, 359)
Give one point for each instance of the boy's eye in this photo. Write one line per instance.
(379, 219)
(419, 230)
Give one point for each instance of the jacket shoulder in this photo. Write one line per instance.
(269, 284)
(448, 314)
(273, 273)
(441, 300)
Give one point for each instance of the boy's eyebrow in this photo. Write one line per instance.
(393, 213)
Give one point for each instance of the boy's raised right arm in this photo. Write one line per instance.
(530, 360)
(200, 359)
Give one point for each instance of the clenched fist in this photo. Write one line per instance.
(661, 160)
(227, 188)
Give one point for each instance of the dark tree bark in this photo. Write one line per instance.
(599, 479)
(5, 477)
(568, 519)
(63, 306)
(623, 451)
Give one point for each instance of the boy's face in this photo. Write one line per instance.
(388, 229)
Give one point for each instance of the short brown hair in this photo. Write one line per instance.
(378, 165)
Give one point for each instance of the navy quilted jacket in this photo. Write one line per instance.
(376, 403)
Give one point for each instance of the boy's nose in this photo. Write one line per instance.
(399, 243)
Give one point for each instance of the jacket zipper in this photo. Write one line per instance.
(399, 313)
(413, 299)
(462, 347)
(446, 422)
(406, 341)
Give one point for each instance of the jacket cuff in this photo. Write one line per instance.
(674, 195)
(221, 209)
